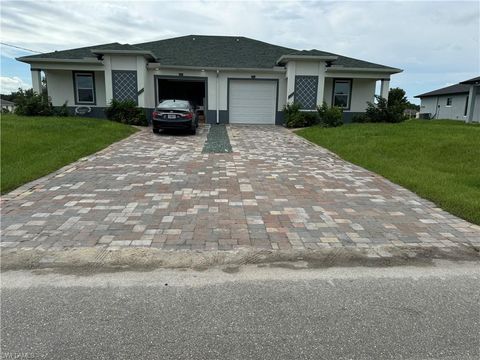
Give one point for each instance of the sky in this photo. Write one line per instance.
(435, 43)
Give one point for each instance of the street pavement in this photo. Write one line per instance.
(254, 312)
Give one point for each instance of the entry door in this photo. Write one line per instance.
(252, 101)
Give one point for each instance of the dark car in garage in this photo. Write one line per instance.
(175, 114)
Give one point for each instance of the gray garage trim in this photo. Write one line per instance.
(125, 85)
(277, 116)
(184, 78)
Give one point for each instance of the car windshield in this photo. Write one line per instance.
(174, 104)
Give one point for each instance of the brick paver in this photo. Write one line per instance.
(274, 191)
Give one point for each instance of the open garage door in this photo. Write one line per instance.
(252, 101)
(189, 89)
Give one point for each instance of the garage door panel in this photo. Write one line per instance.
(252, 102)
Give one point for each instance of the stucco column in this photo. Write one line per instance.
(290, 82)
(108, 79)
(141, 74)
(321, 83)
(472, 94)
(36, 81)
(384, 88)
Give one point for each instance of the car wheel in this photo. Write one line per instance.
(193, 131)
(155, 131)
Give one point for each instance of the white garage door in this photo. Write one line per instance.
(252, 101)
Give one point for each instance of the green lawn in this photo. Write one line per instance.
(32, 147)
(438, 160)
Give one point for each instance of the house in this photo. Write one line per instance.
(233, 79)
(410, 113)
(456, 102)
(7, 105)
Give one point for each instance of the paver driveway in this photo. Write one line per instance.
(273, 191)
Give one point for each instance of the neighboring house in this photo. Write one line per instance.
(410, 113)
(235, 79)
(456, 102)
(7, 105)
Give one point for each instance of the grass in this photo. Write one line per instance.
(32, 147)
(439, 160)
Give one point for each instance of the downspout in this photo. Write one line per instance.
(216, 95)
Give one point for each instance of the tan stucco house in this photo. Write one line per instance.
(233, 79)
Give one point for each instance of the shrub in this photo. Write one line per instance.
(382, 111)
(29, 103)
(61, 110)
(294, 118)
(389, 110)
(330, 117)
(360, 118)
(289, 111)
(126, 112)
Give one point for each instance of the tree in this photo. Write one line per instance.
(397, 98)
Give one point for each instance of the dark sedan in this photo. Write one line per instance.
(175, 114)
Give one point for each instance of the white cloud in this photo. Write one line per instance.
(9, 84)
(434, 42)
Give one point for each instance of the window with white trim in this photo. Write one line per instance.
(342, 89)
(449, 101)
(84, 88)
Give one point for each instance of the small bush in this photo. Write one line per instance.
(382, 111)
(330, 116)
(294, 118)
(30, 103)
(61, 110)
(289, 111)
(359, 119)
(126, 112)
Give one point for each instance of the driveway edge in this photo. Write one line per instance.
(27, 188)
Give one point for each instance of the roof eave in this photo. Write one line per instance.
(28, 60)
(212, 68)
(443, 94)
(285, 58)
(364, 69)
(147, 54)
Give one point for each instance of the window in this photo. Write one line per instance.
(466, 107)
(449, 101)
(84, 88)
(342, 90)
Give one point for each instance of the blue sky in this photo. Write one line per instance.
(436, 43)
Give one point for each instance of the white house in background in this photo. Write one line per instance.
(7, 105)
(456, 102)
(233, 79)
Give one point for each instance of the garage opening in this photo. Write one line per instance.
(180, 89)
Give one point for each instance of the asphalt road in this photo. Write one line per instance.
(256, 313)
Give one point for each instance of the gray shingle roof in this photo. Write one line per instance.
(475, 80)
(453, 89)
(6, 102)
(209, 51)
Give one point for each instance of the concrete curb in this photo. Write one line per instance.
(100, 259)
